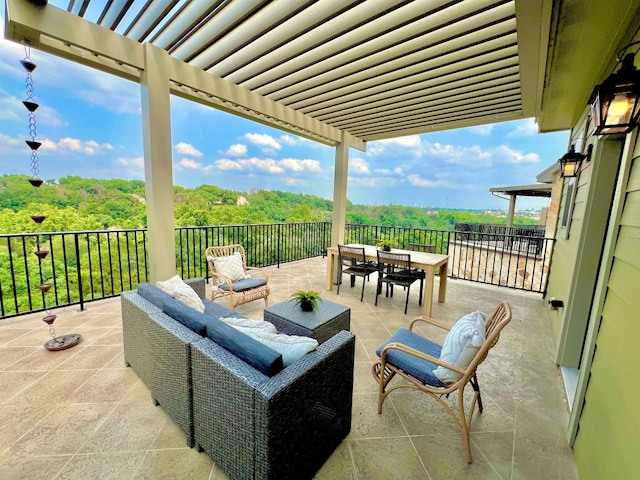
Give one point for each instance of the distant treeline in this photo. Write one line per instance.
(76, 203)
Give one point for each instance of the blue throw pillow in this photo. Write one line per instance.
(190, 318)
(259, 356)
(153, 294)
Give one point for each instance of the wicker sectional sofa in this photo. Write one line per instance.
(254, 426)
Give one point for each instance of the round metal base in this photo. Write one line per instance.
(63, 342)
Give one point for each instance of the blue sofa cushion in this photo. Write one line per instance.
(416, 367)
(212, 309)
(259, 356)
(153, 294)
(190, 318)
(246, 284)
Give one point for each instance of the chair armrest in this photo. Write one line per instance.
(430, 321)
(263, 271)
(223, 279)
(417, 353)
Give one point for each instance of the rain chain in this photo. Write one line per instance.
(65, 341)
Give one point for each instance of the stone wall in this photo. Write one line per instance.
(488, 264)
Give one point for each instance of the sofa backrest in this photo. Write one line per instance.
(259, 356)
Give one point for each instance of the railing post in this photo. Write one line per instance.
(79, 270)
(278, 252)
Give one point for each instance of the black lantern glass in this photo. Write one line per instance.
(615, 103)
(570, 163)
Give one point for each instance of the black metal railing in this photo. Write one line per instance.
(92, 265)
(514, 261)
(467, 230)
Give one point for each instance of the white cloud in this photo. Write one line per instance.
(524, 128)
(359, 166)
(373, 182)
(296, 165)
(411, 145)
(418, 181)
(482, 130)
(505, 154)
(131, 167)
(386, 171)
(69, 144)
(289, 140)
(236, 150)
(262, 140)
(8, 141)
(479, 157)
(226, 164)
(189, 164)
(249, 164)
(295, 182)
(187, 149)
(135, 162)
(12, 109)
(269, 165)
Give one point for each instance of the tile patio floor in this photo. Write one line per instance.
(80, 414)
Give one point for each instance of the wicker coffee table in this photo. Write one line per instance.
(320, 324)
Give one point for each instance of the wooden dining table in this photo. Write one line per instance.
(429, 262)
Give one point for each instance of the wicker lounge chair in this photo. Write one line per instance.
(253, 286)
(414, 357)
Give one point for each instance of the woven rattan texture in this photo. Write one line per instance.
(320, 324)
(286, 426)
(157, 348)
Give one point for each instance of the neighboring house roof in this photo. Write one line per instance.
(534, 190)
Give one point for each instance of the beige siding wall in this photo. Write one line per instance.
(608, 438)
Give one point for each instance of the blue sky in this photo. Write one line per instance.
(90, 125)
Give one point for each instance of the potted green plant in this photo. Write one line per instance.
(307, 299)
(386, 243)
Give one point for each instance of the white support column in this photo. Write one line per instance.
(158, 164)
(512, 210)
(341, 172)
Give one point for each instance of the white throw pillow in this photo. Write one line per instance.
(461, 345)
(230, 266)
(292, 347)
(179, 290)
(249, 326)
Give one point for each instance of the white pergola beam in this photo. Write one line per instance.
(65, 35)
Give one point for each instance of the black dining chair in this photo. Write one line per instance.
(395, 269)
(353, 262)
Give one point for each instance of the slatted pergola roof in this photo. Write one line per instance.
(373, 68)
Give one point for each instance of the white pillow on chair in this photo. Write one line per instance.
(461, 345)
(230, 266)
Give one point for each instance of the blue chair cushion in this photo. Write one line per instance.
(190, 318)
(246, 284)
(418, 368)
(259, 356)
(153, 294)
